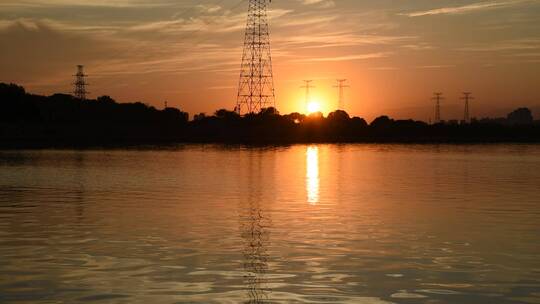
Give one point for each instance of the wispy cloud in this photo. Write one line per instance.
(211, 21)
(91, 3)
(523, 55)
(465, 8)
(221, 88)
(508, 45)
(383, 68)
(336, 39)
(345, 57)
(180, 43)
(320, 3)
(307, 21)
(437, 66)
(421, 46)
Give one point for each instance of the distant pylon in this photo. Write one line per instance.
(307, 85)
(438, 97)
(341, 87)
(467, 96)
(80, 84)
(256, 85)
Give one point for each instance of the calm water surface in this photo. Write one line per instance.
(303, 224)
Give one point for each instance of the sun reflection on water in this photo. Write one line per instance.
(312, 174)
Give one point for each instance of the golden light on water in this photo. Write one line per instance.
(312, 174)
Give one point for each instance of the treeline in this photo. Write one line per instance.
(28, 120)
(61, 119)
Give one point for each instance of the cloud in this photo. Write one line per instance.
(213, 20)
(337, 39)
(88, 3)
(222, 87)
(209, 8)
(319, 3)
(440, 66)
(465, 8)
(105, 56)
(421, 46)
(384, 68)
(525, 55)
(308, 20)
(58, 51)
(508, 45)
(345, 57)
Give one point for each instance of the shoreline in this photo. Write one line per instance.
(13, 146)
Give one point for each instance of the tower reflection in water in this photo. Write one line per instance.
(255, 227)
(312, 174)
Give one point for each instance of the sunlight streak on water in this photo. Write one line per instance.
(312, 174)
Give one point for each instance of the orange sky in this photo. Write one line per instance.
(394, 53)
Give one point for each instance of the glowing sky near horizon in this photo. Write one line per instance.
(394, 53)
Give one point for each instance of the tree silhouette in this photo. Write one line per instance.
(60, 119)
(521, 116)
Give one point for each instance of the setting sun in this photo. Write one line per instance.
(313, 106)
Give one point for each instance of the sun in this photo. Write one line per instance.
(313, 107)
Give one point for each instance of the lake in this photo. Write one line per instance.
(370, 224)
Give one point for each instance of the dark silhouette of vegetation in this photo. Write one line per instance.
(63, 120)
(28, 120)
(522, 116)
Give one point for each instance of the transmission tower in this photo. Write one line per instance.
(438, 98)
(256, 85)
(80, 84)
(341, 86)
(467, 96)
(308, 86)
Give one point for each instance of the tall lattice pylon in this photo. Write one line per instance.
(438, 98)
(308, 86)
(467, 97)
(80, 84)
(256, 86)
(341, 87)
